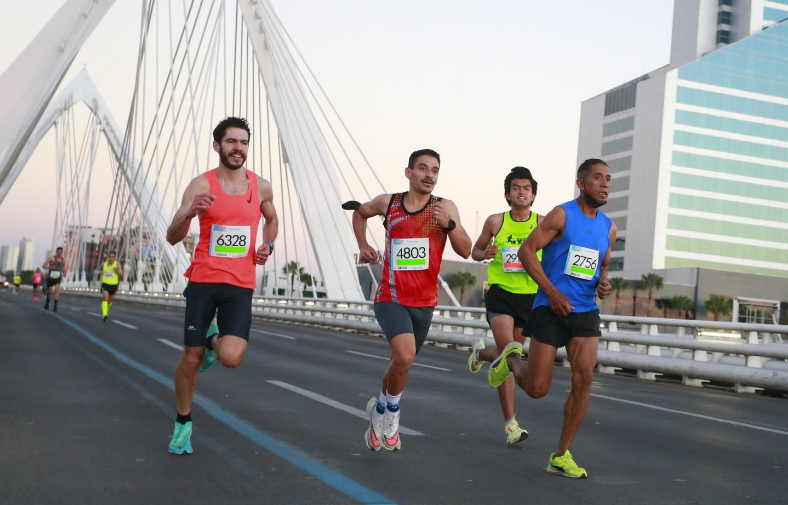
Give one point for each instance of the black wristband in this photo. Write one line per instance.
(452, 225)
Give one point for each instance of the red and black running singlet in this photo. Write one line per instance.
(412, 260)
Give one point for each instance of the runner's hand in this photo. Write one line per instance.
(262, 254)
(559, 303)
(200, 203)
(604, 289)
(439, 213)
(490, 252)
(367, 254)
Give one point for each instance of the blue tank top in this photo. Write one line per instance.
(572, 262)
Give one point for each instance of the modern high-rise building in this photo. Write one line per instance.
(9, 256)
(25, 261)
(698, 149)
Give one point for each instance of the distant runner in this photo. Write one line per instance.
(111, 274)
(38, 278)
(57, 269)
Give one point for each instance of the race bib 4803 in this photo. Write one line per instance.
(410, 254)
(230, 241)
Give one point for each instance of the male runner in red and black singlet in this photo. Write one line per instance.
(229, 201)
(417, 224)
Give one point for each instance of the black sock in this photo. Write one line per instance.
(55, 303)
(183, 419)
(209, 343)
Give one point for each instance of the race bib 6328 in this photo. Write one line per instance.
(230, 241)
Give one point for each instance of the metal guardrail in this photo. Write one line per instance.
(747, 356)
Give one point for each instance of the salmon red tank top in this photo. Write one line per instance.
(412, 260)
(228, 231)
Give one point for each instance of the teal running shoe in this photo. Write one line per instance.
(499, 369)
(210, 356)
(181, 439)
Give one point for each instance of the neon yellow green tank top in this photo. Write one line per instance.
(109, 275)
(505, 269)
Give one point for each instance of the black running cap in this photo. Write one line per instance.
(351, 205)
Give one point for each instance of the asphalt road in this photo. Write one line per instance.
(87, 409)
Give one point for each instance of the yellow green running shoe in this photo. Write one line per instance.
(181, 442)
(474, 364)
(565, 465)
(210, 356)
(499, 369)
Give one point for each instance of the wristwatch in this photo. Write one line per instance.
(270, 246)
(452, 225)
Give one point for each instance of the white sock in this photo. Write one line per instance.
(393, 401)
(382, 402)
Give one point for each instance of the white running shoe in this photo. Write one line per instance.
(474, 363)
(372, 435)
(391, 439)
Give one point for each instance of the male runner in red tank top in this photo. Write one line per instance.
(417, 224)
(229, 201)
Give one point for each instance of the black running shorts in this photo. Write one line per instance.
(498, 302)
(395, 319)
(232, 306)
(552, 329)
(109, 288)
(53, 282)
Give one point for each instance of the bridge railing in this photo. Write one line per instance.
(746, 356)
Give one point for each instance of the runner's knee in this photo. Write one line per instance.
(582, 377)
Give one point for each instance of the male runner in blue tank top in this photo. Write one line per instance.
(576, 240)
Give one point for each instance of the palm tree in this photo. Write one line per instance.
(292, 269)
(650, 282)
(719, 305)
(462, 280)
(308, 280)
(618, 284)
(682, 303)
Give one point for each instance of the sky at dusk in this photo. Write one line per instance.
(489, 85)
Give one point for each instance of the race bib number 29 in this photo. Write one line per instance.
(581, 262)
(511, 262)
(229, 241)
(410, 254)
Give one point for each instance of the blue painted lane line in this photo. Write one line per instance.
(285, 451)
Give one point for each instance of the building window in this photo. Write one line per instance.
(620, 244)
(616, 265)
(620, 99)
(729, 3)
(617, 146)
(724, 18)
(723, 37)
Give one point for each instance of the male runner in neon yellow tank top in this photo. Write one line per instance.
(511, 293)
(111, 274)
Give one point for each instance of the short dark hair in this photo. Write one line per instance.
(585, 168)
(111, 252)
(58, 249)
(229, 122)
(519, 173)
(422, 152)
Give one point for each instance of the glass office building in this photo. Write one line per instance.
(699, 148)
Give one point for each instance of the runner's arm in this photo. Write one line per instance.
(271, 226)
(196, 199)
(483, 249)
(551, 228)
(460, 241)
(604, 288)
(375, 207)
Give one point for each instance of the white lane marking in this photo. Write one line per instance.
(387, 359)
(274, 334)
(74, 308)
(94, 314)
(127, 325)
(171, 344)
(700, 416)
(332, 403)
